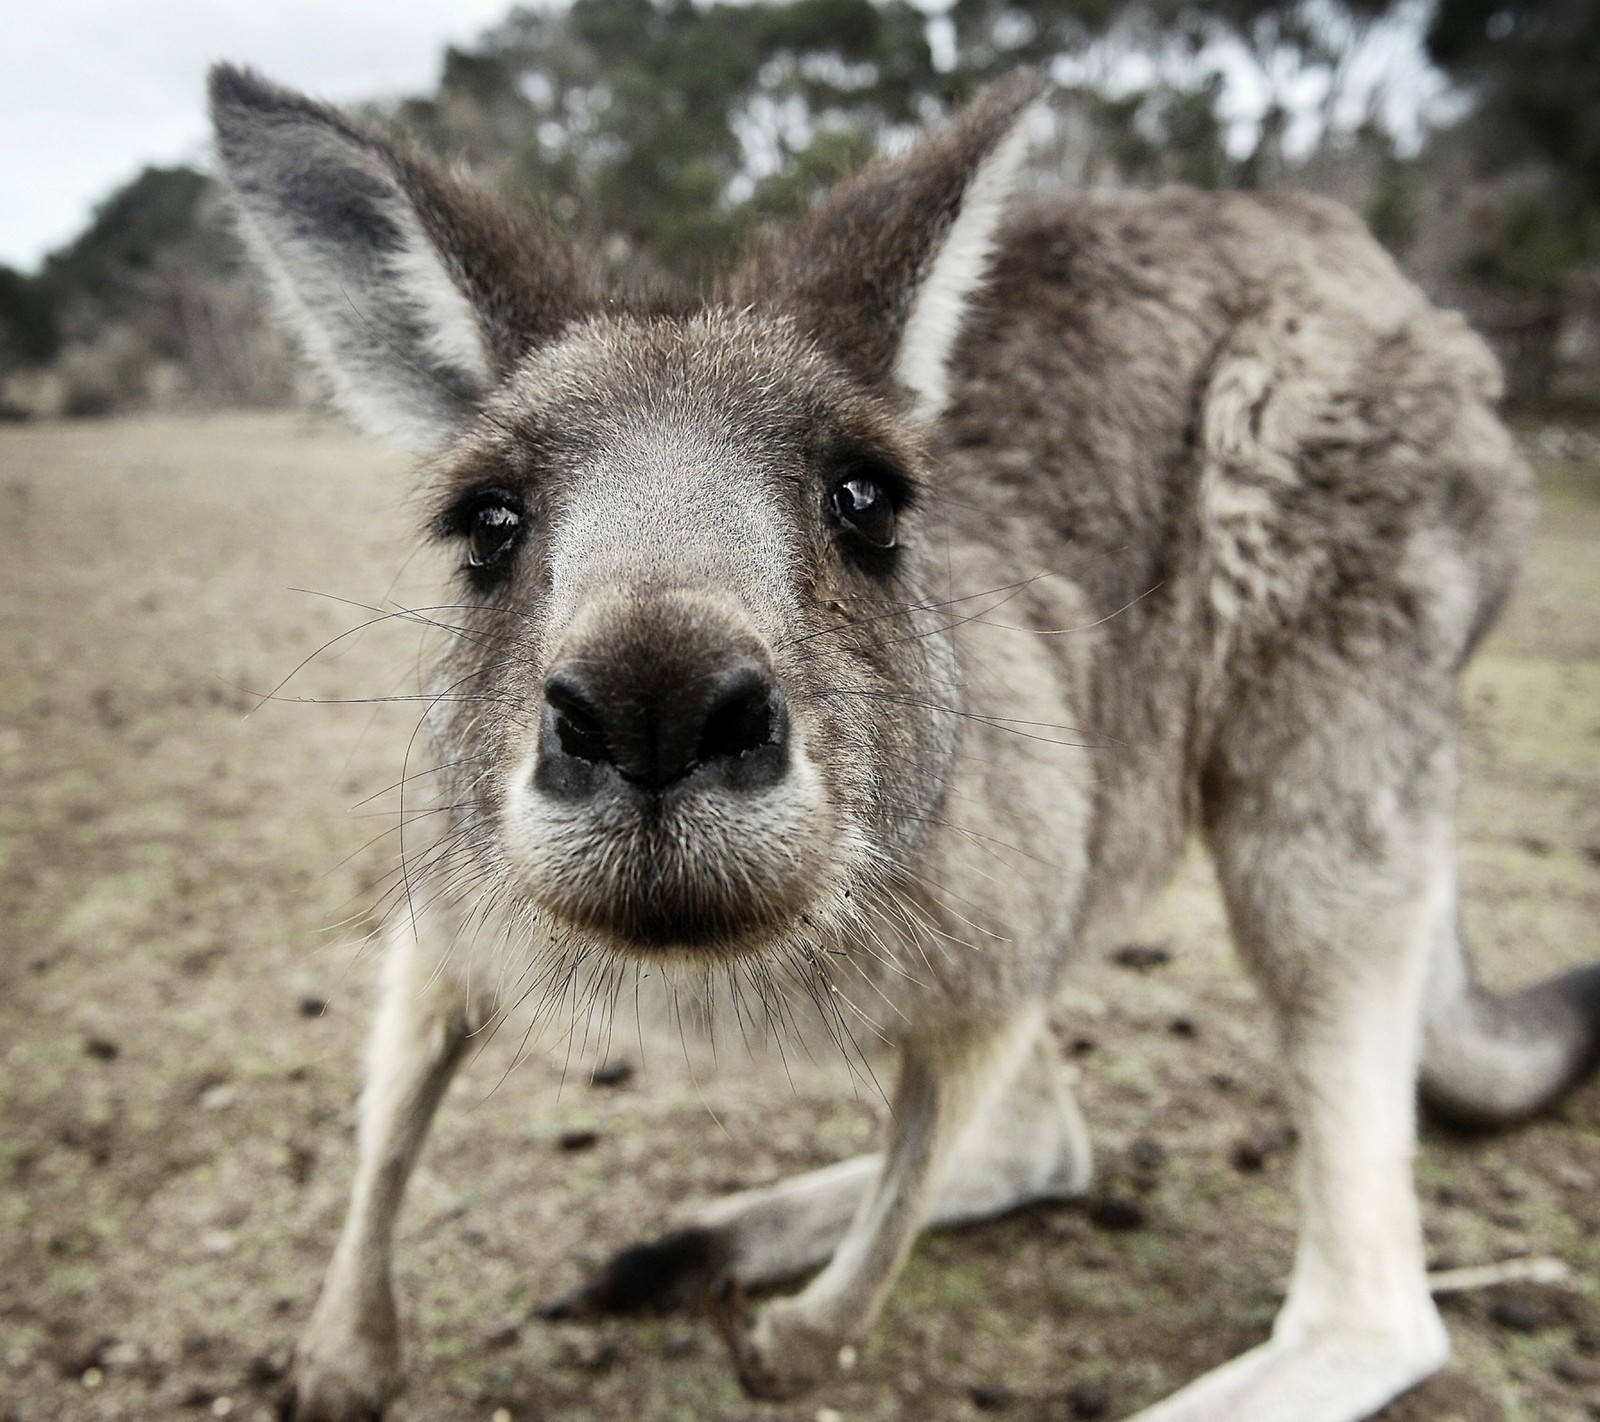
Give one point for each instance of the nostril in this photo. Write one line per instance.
(577, 724)
(746, 715)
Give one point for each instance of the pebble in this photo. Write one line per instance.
(578, 1140)
(313, 1007)
(1141, 957)
(1576, 1370)
(992, 1397)
(612, 1073)
(102, 1049)
(1117, 1212)
(1251, 1153)
(1519, 1316)
(1147, 1155)
(1088, 1400)
(505, 1336)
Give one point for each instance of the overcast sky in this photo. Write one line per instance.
(92, 90)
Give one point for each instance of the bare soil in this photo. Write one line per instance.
(187, 876)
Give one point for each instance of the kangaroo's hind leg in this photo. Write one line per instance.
(1329, 814)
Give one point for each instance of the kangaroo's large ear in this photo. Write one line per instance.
(883, 271)
(411, 289)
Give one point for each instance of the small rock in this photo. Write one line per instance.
(102, 1049)
(1141, 957)
(1117, 1212)
(578, 1140)
(615, 1072)
(1183, 1027)
(1247, 1157)
(1081, 1046)
(1146, 1155)
(313, 1007)
(264, 1369)
(1088, 1400)
(992, 1397)
(1251, 1153)
(302, 1161)
(505, 1336)
(1519, 1316)
(1573, 1369)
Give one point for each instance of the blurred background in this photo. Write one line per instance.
(1467, 132)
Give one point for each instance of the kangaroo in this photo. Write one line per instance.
(772, 601)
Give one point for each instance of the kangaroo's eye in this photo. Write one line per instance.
(491, 532)
(862, 504)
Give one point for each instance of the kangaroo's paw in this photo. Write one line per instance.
(353, 1386)
(1327, 1377)
(784, 1353)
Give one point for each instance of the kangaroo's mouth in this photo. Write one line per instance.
(720, 860)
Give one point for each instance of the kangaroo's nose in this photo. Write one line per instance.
(656, 723)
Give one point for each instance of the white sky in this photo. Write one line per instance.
(92, 90)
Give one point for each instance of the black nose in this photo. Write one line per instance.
(656, 723)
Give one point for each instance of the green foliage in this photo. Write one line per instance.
(1535, 66)
(131, 231)
(30, 332)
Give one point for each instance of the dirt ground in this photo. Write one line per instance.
(186, 877)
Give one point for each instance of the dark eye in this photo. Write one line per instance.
(861, 503)
(491, 530)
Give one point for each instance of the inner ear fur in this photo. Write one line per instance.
(411, 289)
(882, 271)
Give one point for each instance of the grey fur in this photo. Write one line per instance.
(1209, 484)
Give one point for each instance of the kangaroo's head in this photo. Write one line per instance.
(697, 691)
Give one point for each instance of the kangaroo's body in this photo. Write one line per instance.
(886, 623)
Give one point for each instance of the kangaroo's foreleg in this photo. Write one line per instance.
(943, 1087)
(347, 1362)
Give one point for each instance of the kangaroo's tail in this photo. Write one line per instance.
(1491, 1061)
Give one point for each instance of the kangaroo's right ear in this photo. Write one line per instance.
(411, 290)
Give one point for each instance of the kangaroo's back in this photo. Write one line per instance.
(1223, 424)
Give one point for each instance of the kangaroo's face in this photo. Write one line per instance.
(697, 694)
(688, 704)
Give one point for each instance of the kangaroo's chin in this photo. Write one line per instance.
(713, 873)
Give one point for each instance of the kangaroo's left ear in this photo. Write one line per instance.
(883, 272)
